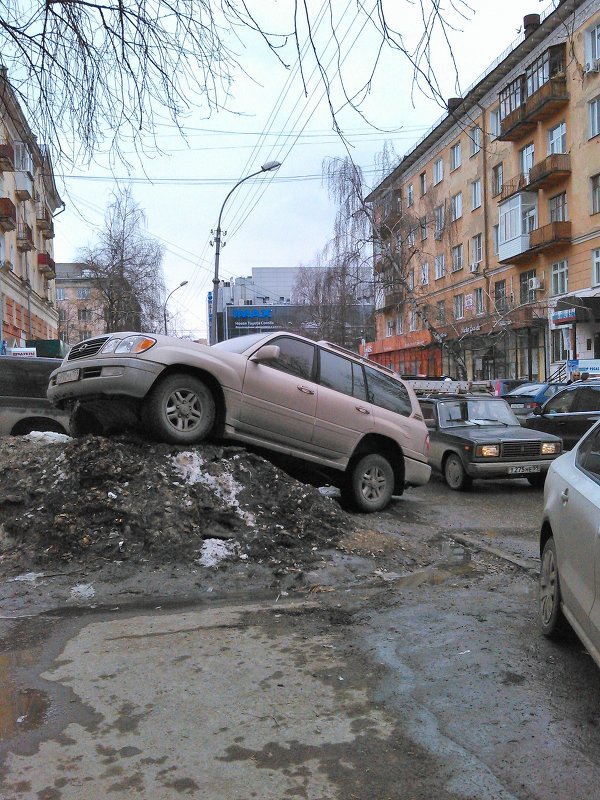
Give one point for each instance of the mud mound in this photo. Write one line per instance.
(127, 499)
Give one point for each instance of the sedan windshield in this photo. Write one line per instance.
(475, 411)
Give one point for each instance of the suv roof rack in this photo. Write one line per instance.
(358, 356)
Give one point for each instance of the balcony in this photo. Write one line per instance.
(515, 125)
(46, 265)
(7, 156)
(43, 217)
(514, 185)
(551, 96)
(8, 215)
(24, 236)
(393, 298)
(550, 171)
(549, 237)
(23, 185)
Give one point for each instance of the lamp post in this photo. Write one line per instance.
(268, 167)
(183, 283)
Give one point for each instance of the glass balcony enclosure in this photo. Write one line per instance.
(518, 217)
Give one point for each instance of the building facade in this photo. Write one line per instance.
(28, 202)
(487, 233)
(80, 304)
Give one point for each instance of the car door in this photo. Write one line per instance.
(343, 415)
(279, 397)
(556, 417)
(588, 461)
(586, 411)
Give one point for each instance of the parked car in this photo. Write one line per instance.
(313, 401)
(525, 398)
(569, 545)
(569, 414)
(24, 406)
(478, 436)
(502, 386)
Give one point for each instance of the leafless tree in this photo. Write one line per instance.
(125, 266)
(104, 74)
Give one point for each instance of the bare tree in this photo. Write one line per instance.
(105, 73)
(126, 268)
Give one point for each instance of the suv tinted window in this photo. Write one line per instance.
(341, 374)
(295, 357)
(560, 404)
(588, 398)
(387, 392)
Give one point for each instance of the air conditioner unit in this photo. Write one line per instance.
(437, 235)
(474, 267)
(592, 66)
(534, 284)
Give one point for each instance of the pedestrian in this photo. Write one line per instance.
(585, 376)
(575, 376)
(4, 343)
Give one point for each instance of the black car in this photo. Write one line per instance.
(569, 414)
(475, 436)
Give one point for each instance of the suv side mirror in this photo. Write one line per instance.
(537, 411)
(268, 352)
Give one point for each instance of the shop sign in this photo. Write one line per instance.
(470, 329)
(564, 317)
(23, 352)
(469, 302)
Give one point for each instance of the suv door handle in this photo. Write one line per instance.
(362, 409)
(564, 495)
(306, 390)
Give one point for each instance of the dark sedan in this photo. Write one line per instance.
(529, 396)
(480, 437)
(570, 413)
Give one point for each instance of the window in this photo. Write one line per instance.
(83, 294)
(526, 156)
(342, 375)
(500, 296)
(60, 294)
(85, 335)
(477, 248)
(479, 301)
(424, 274)
(438, 171)
(410, 280)
(410, 238)
(413, 322)
(62, 314)
(512, 97)
(595, 181)
(457, 257)
(560, 344)
(456, 206)
(423, 182)
(495, 238)
(423, 226)
(459, 306)
(595, 267)
(594, 117)
(588, 453)
(295, 357)
(494, 124)
(475, 194)
(23, 162)
(496, 180)
(410, 195)
(441, 311)
(560, 277)
(557, 139)
(440, 266)
(390, 327)
(475, 138)
(84, 314)
(387, 392)
(594, 43)
(557, 207)
(527, 295)
(438, 213)
(455, 156)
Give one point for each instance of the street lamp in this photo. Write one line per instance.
(268, 167)
(183, 283)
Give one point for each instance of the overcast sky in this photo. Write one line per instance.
(281, 219)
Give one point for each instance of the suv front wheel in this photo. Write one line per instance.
(180, 409)
(369, 483)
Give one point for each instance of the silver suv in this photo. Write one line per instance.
(309, 400)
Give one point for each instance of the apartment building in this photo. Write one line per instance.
(28, 202)
(487, 256)
(80, 303)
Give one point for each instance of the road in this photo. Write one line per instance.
(420, 677)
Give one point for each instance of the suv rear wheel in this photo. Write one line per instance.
(369, 483)
(180, 409)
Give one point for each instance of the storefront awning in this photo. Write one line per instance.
(577, 308)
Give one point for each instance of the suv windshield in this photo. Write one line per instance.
(241, 343)
(475, 411)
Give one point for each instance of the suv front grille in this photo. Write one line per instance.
(516, 450)
(88, 348)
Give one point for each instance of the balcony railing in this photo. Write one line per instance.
(43, 217)
(549, 236)
(8, 214)
(550, 171)
(551, 96)
(514, 185)
(393, 297)
(24, 236)
(46, 265)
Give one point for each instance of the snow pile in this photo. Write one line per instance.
(46, 437)
(214, 551)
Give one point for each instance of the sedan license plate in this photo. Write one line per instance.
(524, 470)
(517, 405)
(67, 376)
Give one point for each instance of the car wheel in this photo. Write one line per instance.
(537, 480)
(552, 620)
(454, 473)
(180, 409)
(370, 484)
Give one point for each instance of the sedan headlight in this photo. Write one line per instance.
(135, 344)
(488, 450)
(549, 448)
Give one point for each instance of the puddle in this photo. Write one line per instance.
(21, 709)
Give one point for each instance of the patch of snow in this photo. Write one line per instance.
(188, 467)
(28, 577)
(112, 496)
(213, 551)
(46, 437)
(82, 591)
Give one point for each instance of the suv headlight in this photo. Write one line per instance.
(487, 450)
(549, 448)
(110, 346)
(135, 344)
